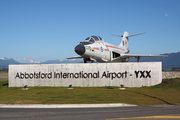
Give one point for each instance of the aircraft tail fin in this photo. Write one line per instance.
(124, 41)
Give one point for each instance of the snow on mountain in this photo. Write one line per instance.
(28, 60)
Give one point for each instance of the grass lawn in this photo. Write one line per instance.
(168, 92)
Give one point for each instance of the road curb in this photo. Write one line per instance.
(64, 105)
(3, 77)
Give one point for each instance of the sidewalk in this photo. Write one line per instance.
(4, 77)
(64, 105)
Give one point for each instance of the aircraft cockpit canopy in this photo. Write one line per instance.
(93, 39)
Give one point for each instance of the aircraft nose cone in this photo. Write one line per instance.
(80, 49)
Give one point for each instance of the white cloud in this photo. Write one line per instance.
(166, 14)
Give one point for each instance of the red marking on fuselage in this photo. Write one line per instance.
(115, 47)
(125, 42)
(96, 48)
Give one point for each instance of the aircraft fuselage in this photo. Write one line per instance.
(95, 49)
(100, 51)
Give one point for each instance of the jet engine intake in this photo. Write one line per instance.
(115, 55)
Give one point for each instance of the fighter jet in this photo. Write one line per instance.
(94, 48)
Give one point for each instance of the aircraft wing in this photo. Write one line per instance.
(129, 56)
(138, 56)
(122, 56)
(80, 58)
(75, 58)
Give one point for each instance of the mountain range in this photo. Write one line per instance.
(4, 62)
(167, 62)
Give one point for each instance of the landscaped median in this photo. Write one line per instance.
(165, 93)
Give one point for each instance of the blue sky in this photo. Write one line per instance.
(48, 29)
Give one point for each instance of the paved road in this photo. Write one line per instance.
(2, 76)
(87, 113)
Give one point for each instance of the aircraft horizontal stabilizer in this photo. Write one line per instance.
(129, 35)
(117, 35)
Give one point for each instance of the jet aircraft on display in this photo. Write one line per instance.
(94, 48)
